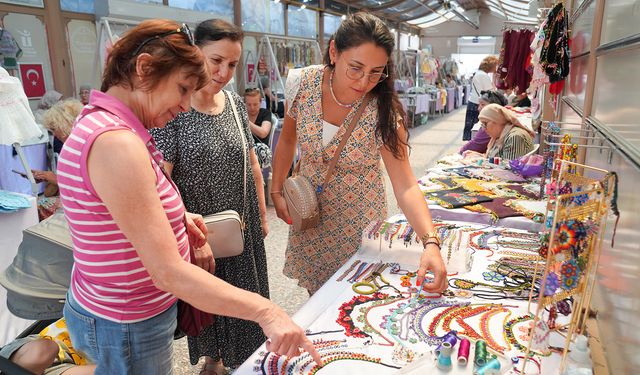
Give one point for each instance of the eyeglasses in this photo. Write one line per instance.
(184, 29)
(355, 73)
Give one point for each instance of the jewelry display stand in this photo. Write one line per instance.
(577, 208)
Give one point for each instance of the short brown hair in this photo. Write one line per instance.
(168, 54)
(252, 92)
(488, 63)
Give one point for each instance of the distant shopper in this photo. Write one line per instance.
(481, 81)
(84, 92)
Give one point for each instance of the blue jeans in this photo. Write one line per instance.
(123, 348)
(471, 117)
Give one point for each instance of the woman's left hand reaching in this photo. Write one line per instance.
(431, 260)
(196, 229)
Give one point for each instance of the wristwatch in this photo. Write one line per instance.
(431, 237)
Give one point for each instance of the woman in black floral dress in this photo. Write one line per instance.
(203, 151)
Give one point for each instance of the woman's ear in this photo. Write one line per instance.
(333, 52)
(143, 65)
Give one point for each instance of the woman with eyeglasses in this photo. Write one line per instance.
(321, 102)
(204, 153)
(132, 237)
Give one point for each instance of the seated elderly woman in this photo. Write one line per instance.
(59, 121)
(481, 139)
(509, 138)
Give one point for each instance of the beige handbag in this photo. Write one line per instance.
(226, 228)
(300, 194)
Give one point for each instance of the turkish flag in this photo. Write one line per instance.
(32, 80)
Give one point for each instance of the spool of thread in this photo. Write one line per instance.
(451, 338)
(444, 357)
(463, 352)
(481, 353)
(490, 368)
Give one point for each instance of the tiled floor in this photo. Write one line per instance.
(440, 136)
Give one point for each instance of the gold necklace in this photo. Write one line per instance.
(334, 95)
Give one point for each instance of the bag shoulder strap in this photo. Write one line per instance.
(343, 142)
(244, 150)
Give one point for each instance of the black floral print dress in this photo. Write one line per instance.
(206, 151)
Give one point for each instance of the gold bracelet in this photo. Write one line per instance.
(276, 192)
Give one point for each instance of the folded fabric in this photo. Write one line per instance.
(445, 182)
(467, 172)
(495, 208)
(12, 202)
(474, 185)
(532, 209)
(512, 191)
(456, 198)
(503, 175)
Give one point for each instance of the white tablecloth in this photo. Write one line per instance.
(11, 226)
(319, 315)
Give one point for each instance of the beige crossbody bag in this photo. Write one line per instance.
(300, 194)
(226, 228)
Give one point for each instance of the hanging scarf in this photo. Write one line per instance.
(554, 56)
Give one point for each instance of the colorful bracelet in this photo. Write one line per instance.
(431, 242)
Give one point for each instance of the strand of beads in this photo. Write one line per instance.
(353, 265)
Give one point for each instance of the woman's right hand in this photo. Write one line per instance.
(281, 207)
(285, 337)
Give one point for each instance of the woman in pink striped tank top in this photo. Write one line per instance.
(127, 220)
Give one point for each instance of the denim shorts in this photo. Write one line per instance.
(144, 347)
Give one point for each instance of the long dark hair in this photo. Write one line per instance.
(216, 29)
(360, 28)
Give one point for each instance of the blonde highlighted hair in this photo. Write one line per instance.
(60, 116)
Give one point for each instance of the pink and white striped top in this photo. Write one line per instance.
(108, 278)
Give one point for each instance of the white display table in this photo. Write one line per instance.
(387, 337)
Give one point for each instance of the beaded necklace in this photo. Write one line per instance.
(515, 287)
(511, 338)
(346, 355)
(530, 256)
(415, 324)
(368, 327)
(343, 105)
(345, 310)
(519, 244)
